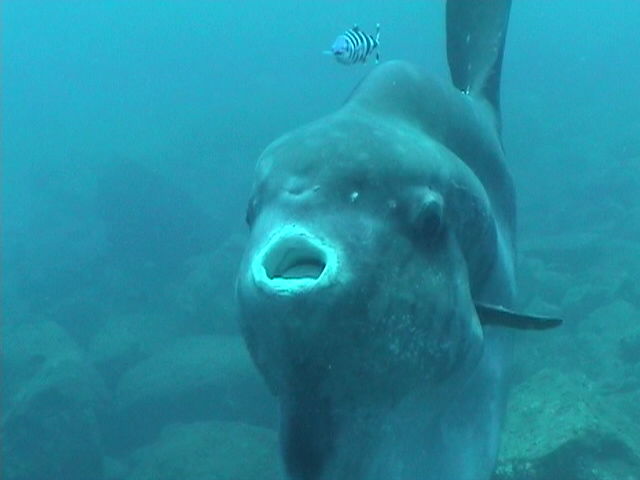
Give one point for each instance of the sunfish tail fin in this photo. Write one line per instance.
(476, 32)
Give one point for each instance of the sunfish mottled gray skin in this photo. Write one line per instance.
(374, 232)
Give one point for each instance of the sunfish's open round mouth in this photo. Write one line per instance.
(293, 260)
(295, 257)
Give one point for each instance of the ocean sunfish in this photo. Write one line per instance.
(375, 292)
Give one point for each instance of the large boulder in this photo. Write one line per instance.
(575, 413)
(578, 273)
(610, 335)
(151, 224)
(565, 251)
(125, 340)
(559, 427)
(206, 296)
(52, 400)
(196, 378)
(210, 450)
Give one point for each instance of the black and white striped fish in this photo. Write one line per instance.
(354, 46)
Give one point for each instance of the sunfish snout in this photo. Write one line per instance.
(294, 261)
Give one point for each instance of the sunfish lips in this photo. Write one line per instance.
(293, 261)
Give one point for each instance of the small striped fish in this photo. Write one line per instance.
(354, 46)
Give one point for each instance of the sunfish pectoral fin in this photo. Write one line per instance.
(500, 316)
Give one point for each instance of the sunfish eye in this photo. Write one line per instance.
(426, 214)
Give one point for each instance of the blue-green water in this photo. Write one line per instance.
(130, 132)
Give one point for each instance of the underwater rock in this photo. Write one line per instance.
(629, 348)
(209, 450)
(579, 273)
(115, 469)
(149, 220)
(559, 427)
(125, 340)
(567, 251)
(197, 378)
(53, 400)
(206, 297)
(605, 334)
(621, 268)
(608, 334)
(539, 281)
(583, 298)
(554, 269)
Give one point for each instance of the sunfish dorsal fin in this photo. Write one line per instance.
(476, 31)
(497, 315)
